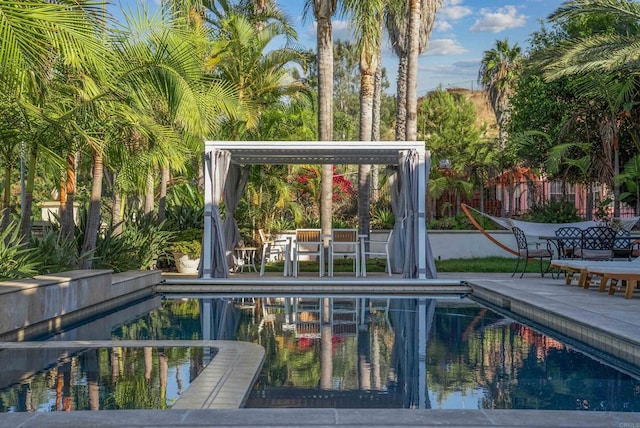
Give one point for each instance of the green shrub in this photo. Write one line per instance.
(54, 253)
(139, 245)
(185, 207)
(16, 260)
(188, 242)
(552, 212)
(382, 218)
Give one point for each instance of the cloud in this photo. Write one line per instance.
(438, 47)
(459, 68)
(442, 26)
(454, 10)
(502, 19)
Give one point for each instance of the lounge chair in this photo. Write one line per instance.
(581, 267)
(612, 274)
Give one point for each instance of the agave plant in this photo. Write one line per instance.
(16, 260)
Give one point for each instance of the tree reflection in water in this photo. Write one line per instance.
(329, 352)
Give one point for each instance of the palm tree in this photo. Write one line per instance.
(366, 19)
(606, 64)
(422, 14)
(323, 10)
(605, 51)
(35, 34)
(397, 24)
(498, 71)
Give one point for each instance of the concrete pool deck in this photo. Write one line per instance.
(601, 320)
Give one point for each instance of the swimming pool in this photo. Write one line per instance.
(358, 352)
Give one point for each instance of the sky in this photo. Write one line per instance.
(463, 30)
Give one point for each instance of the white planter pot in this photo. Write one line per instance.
(184, 264)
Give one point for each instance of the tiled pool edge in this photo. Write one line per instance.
(589, 330)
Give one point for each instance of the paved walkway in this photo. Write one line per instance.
(600, 319)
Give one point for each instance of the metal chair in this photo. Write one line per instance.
(308, 243)
(344, 243)
(526, 253)
(624, 245)
(376, 248)
(597, 243)
(569, 239)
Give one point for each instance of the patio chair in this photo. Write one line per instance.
(526, 252)
(569, 239)
(273, 248)
(344, 244)
(376, 249)
(624, 246)
(597, 243)
(308, 243)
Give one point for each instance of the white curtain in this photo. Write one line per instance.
(396, 249)
(213, 262)
(234, 187)
(410, 188)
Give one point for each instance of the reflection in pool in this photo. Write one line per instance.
(358, 352)
(97, 378)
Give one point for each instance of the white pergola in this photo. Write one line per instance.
(226, 177)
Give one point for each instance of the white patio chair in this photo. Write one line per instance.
(376, 249)
(344, 244)
(308, 244)
(273, 248)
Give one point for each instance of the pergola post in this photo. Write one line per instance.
(422, 215)
(206, 261)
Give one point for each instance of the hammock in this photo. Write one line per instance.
(532, 228)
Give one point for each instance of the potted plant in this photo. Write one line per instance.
(186, 249)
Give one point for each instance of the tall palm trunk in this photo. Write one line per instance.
(323, 10)
(375, 127)
(366, 120)
(401, 98)
(93, 218)
(412, 70)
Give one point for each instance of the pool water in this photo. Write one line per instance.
(344, 352)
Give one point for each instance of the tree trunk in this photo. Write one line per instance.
(25, 226)
(162, 201)
(93, 217)
(375, 130)
(67, 224)
(116, 221)
(6, 199)
(401, 99)
(412, 70)
(323, 10)
(364, 171)
(149, 194)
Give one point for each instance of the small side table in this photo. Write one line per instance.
(245, 257)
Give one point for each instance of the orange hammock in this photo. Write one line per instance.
(478, 226)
